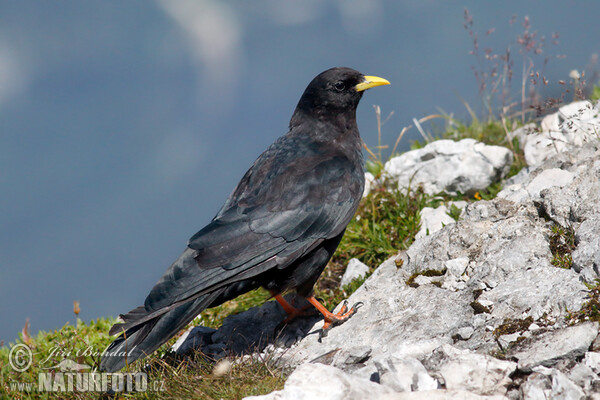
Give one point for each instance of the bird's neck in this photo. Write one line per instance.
(325, 125)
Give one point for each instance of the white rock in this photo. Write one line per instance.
(505, 340)
(441, 395)
(466, 370)
(404, 374)
(547, 179)
(445, 165)
(592, 360)
(355, 269)
(369, 183)
(433, 219)
(524, 132)
(573, 125)
(583, 377)
(466, 332)
(545, 383)
(579, 110)
(323, 382)
(549, 348)
(550, 122)
(564, 388)
(457, 266)
(515, 193)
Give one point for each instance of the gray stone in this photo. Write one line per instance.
(583, 377)
(505, 340)
(547, 179)
(433, 219)
(324, 382)
(370, 183)
(349, 359)
(564, 388)
(465, 332)
(404, 374)
(490, 268)
(573, 125)
(586, 256)
(441, 395)
(445, 165)
(466, 370)
(592, 360)
(355, 270)
(546, 383)
(196, 337)
(549, 348)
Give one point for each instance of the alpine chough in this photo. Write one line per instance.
(278, 229)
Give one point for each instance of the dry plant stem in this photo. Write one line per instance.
(404, 130)
(512, 148)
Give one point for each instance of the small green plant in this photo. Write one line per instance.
(595, 95)
(590, 311)
(454, 212)
(430, 273)
(562, 244)
(510, 326)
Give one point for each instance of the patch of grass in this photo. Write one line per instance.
(479, 308)
(454, 212)
(80, 343)
(562, 244)
(430, 272)
(168, 378)
(213, 317)
(197, 378)
(595, 95)
(385, 222)
(510, 326)
(590, 311)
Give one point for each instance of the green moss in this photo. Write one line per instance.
(479, 308)
(590, 311)
(430, 272)
(513, 326)
(562, 244)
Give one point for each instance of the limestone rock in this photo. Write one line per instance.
(573, 125)
(548, 348)
(469, 371)
(355, 269)
(433, 219)
(445, 165)
(324, 382)
(547, 383)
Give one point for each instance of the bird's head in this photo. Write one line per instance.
(337, 90)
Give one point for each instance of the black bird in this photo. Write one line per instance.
(278, 229)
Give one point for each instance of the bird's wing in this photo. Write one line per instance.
(292, 198)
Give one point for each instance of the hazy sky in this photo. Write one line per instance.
(125, 125)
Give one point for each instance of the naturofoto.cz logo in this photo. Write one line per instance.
(71, 376)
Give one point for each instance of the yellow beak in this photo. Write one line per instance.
(369, 82)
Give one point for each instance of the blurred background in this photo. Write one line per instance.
(125, 125)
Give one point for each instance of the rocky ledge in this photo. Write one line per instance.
(481, 308)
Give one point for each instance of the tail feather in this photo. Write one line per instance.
(141, 336)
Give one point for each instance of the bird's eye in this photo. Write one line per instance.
(339, 86)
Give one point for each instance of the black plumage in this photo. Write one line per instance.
(279, 227)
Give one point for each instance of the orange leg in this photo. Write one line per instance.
(332, 319)
(289, 309)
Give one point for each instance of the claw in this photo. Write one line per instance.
(344, 308)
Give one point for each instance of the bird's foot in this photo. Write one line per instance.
(294, 312)
(340, 317)
(332, 319)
